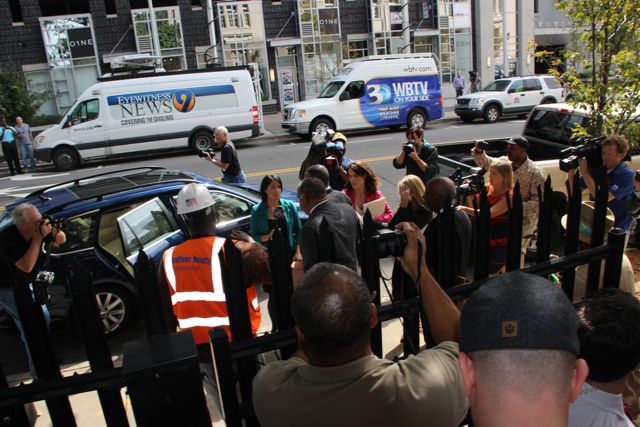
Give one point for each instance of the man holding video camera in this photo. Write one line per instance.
(334, 379)
(229, 163)
(21, 247)
(336, 162)
(620, 179)
(525, 172)
(419, 157)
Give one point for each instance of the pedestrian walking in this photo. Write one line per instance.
(9, 147)
(458, 84)
(25, 144)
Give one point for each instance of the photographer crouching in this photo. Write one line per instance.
(613, 151)
(21, 247)
(419, 157)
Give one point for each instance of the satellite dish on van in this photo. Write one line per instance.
(135, 63)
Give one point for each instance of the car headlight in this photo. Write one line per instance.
(39, 139)
(298, 114)
(476, 101)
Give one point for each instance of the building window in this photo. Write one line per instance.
(65, 7)
(144, 4)
(16, 11)
(110, 7)
(169, 35)
(355, 49)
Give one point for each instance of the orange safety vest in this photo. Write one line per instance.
(193, 272)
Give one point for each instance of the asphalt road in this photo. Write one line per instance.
(282, 157)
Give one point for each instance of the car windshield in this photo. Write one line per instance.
(497, 86)
(331, 89)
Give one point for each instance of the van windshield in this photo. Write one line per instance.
(497, 86)
(331, 89)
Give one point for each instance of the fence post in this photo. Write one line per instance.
(514, 239)
(15, 416)
(39, 343)
(613, 265)
(153, 298)
(597, 229)
(224, 374)
(95, 340)
(545, 214)
(573, 226)
(446, 272)
(370, 270)
(483, 222)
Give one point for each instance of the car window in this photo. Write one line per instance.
(547, 125)
(517, 86)
(552, 83)
(80, 232)
(532, 84)
(497, 86)
(84, 112)
(331, 89)
(229, 207)
(355, 89)
(146, 224)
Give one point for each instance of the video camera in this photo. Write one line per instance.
(470, 184)
(409, 147)
(389, 243)
(203, 153)
(587, 147)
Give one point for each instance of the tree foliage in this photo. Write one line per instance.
(602, 69)
(15, 98)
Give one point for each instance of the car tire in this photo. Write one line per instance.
(466, 119)
(548, 101)
(319, 125)
(65, 159)
(417, 118)
(491, 113)
(202, 140)
(115, 307)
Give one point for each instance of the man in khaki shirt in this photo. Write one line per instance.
(334, 379)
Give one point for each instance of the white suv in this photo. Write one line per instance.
(511, 96)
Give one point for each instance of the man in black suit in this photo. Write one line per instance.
(322, 173)
(344, 227)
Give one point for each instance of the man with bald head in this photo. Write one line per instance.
(334, 379)
(322, 173)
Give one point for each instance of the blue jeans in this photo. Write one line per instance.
(235, 179)
(26, 154)
(8, 302)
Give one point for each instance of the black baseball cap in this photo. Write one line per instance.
(518, 310)
(519, 140)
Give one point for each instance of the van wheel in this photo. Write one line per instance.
(320, 125)
(491, 113)
(201, 140)
(65, 159)
(417, 118)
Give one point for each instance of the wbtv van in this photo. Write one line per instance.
(123, 116)
(376, 91)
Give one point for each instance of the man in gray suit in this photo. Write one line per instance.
(344, 227)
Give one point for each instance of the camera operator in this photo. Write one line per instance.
(525, 172)
(336, 162)
(21, 247)
(620, 179)
(229, 163)
(334, 379)
(419, 157)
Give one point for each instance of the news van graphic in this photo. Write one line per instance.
(389, 100)
(132, 109)
(184, 101)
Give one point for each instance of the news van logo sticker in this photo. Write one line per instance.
(379, 94)
(184, 101)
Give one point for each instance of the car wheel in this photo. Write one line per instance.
(417, 118)
(320, 125)
(114, 306)
(548, 101)
(65, 159)
(491, 113)
(466, 119)
(202, 140)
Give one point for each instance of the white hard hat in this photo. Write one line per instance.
(193, 197)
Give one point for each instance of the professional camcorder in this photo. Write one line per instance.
(409, 147)
(42, 286)
(586, 147)
(389, 243)
(470, 184)
(203, 153)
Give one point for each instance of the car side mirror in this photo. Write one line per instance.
(511, 91)
(344, 96)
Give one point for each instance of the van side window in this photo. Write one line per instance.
(84, 112)
(355, 89)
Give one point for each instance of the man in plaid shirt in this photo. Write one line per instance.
(527, 173)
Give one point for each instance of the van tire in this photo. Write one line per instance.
(417, 117)
(65, 159)
(201, 140)
(491, 113)
(320, 123)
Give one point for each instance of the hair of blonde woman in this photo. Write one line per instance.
(503, 167)
(415, 185)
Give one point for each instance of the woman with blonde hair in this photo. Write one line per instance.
(411, 207)
(362, 188)
(501, 182)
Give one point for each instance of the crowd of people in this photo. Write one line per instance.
(17, 146)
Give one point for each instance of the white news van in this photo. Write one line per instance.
(376, 91)
(120, 116)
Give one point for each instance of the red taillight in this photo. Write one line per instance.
(256, 116)
(440, 99)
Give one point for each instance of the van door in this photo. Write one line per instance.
(133, 120)
(85, 128)
(348, 107)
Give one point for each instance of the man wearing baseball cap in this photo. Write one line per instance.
(518, 347)
(526, 172)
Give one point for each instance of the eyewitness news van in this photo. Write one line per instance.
(122, 116)
(375, 91)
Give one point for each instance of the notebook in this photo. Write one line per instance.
(376, 207)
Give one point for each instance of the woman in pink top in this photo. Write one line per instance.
(363, 188)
